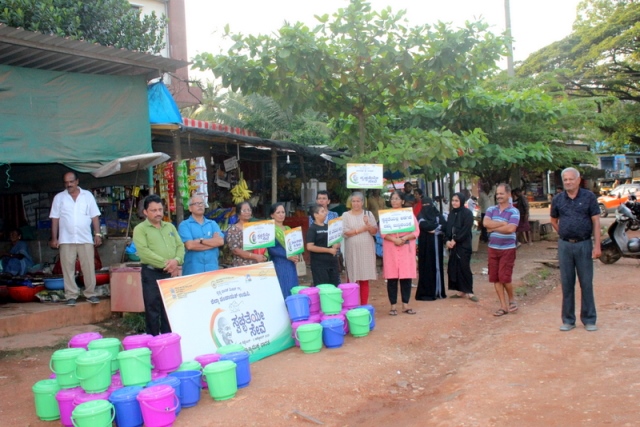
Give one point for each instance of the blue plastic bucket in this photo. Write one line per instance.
(128, 413)
(333, 333)
(189, 387)
(298, 307)
(173, 382)
(243, 371)
(372, 310)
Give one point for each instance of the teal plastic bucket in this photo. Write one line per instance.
(44, 395)
(310, 337)
(93, 369)
(296, 289)
(359, 321)
(96, 413)
(331, 299)
(221, 378)
(113, 346)
(230, 348)
(189, 365)
(63, 364)
(135, 366)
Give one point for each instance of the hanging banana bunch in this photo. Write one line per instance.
(241, 191)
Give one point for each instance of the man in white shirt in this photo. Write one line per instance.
(73, 213)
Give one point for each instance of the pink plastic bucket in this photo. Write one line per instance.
(294, 328)
(346, 320)
(136, 341)
(166, 354)
(158, 404)
(314, 296)
(83, 340)
(204, 360)
(350, 295)
(315, 318)
(83, 397)
(65, 399)
(338, 316)
(156, 375)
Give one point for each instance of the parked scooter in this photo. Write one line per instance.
(618, 244)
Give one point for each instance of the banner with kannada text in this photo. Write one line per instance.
(364, 175)
(396, 221)
(294, 241)
(258, 235)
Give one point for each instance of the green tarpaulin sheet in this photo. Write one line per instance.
(74, 119)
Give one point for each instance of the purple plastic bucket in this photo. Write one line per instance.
(136, 341)
(314, 297)
(294, 328)
(83, 340)
(156, 375)
(298, 307)
(158, 405)
(65, 399)
(204, 360)
(166, 354)
(346, 321)
(173, 382)
(315, 318)
(84, 397)
(350, 295)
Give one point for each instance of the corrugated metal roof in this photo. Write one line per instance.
(29, 49)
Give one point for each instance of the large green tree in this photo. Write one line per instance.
(600, 63)
(106, 22)
(360, 65)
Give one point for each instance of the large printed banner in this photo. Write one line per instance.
(364, 175)
(334, 232)
(293, 241)
(258, 235)
(241, 305)
(396, 221)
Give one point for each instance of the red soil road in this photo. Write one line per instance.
(452, 364)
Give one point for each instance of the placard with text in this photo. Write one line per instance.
(294, 241)
(364, 175)
(334, 234)
(396, 221)
(258, 234)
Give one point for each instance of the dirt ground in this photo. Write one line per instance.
(452, 364)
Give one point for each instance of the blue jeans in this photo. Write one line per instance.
(576, 257)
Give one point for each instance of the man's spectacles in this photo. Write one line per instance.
(246, 211)
(196, 204)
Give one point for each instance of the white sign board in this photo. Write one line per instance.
(396, 221)
(363, 175)
(258, 234)
(230, 164)
(334, 234)
(294, 241)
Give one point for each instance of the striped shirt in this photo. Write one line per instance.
(510, 215)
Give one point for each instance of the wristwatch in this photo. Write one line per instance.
(201, 240)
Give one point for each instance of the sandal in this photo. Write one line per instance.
(409, 311)
(393, 312)
(500, 312)
(474, 298)
(513, 307)
(455, 296)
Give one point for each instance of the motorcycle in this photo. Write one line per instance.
(618, 244)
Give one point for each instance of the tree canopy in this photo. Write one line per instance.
(106, 22)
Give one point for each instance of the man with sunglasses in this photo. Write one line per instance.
(201, 237)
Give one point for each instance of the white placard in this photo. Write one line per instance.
(259, 234)
(293, 241)
(241, 305)
(365, 175)
(334, 234)
(396, 221)
(230, 164)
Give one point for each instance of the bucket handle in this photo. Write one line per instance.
(144, 362)
(113, 416)
(196, 382)
(59, 373)
(95, 373)
(298, 338)
(176, 403)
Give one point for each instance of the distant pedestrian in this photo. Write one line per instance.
(502, 221)
(576, 217)
(520, 202)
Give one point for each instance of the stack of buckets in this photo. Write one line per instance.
(141, 381)
(326, 313)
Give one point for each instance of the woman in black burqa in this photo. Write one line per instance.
(430, 253)
(458, 241)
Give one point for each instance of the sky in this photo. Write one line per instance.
(534, 24)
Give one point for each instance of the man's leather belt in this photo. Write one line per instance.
(576, 240)
(150, 267)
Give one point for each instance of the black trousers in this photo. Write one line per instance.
(155, 314)
(405, 290)
(325, 273)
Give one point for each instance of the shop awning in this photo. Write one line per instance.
(130, 164)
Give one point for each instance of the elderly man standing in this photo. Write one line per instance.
(74, 213)
(202, 238)
(161, 253)
(576, 217)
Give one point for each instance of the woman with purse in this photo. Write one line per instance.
(359, 227)
(285, 266)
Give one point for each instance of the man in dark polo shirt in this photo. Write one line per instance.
(576, 217)
(161, 253)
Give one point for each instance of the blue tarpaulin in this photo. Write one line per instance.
(162, 107)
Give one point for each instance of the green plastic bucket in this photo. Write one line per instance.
(310, 337)
(63, 364)
(331, 299)
(359, 320)
(93, 369)
(96, 413)
(190, 365)
(230, 348)
(113, 346)
(221, 379)
(135, 366)
(296, 289)
(326, 286)
(44, 394)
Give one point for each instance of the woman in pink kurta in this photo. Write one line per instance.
(399, 261)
